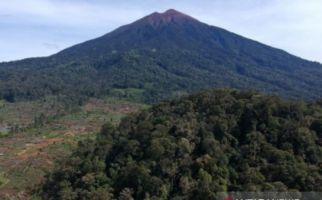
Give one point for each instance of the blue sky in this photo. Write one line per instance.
(32, 28)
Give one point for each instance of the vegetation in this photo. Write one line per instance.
(193, 147)
(155, 58)
(30, 151)
(3, 179)
(189, 148)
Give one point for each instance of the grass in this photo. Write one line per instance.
(4, 134)
(23, 114)
(52, 135)
(2, 103)
(3, 179)
(130, 94)
(31, 152)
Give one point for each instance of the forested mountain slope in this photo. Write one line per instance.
(159, 56)
(193, 147)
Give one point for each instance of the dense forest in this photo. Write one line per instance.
(159, 56)
(196, 146)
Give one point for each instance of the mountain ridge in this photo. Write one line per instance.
(168, 16)
(161, 55)
(168, 13)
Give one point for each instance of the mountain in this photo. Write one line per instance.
(161, 55)
(197, 146)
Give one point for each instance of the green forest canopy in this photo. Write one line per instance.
(153, 61)
(193, 147)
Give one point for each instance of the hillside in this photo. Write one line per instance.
(39, 138)
(161, 55)
(193, 147)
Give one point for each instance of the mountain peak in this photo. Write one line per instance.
(173, 12)
(168, 16)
